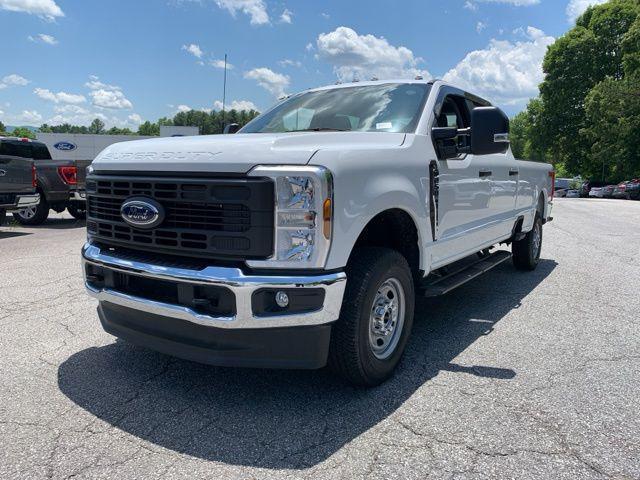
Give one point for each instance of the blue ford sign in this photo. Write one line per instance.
(142, 212)
(65, 146)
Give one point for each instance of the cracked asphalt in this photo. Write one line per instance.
(515, 375)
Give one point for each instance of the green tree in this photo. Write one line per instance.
(149, 129)
(97, 126)
(23, 133)
(2, 128)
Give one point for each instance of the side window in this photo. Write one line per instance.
(454, 113)
(41, 152)
(16, 149)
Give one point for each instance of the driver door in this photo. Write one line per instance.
(465, 188)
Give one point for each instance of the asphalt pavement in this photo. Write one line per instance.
(515, 375)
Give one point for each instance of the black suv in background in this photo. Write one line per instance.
(60, 184)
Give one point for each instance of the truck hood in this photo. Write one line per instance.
(237, 153)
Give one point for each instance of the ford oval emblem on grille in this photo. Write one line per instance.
(142, 212)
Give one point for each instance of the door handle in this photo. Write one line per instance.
(513, 172)
(485, 173)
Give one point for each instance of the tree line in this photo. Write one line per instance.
(209, 123)
(586, 120)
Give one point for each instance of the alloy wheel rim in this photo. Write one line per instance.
(27, 213)
(537, 240)
(386, 319)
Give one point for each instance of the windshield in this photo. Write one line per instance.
(373, 108)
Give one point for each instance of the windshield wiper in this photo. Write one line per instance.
(320, 129)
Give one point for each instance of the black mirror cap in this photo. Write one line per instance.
(231, 128)
(489, 131)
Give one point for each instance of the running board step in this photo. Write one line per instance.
(436, 286)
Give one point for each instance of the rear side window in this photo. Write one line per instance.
(40, 152)
(16, 149)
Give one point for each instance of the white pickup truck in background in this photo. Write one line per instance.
(304, 238)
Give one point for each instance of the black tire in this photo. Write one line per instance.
(78, 210)
(37, 217)
(351, 352)
(526, 253)
(3, 216)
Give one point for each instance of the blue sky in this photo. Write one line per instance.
(126, 61)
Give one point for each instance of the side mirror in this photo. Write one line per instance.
(489, 131)
(231, 128)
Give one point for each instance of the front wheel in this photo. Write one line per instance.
(33, 215)
(368, 340)
(526, 252)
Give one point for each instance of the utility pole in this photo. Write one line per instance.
(224, 91)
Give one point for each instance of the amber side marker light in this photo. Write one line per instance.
(326, 218)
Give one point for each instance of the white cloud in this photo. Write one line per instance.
(256, 9)
(309, 47)
(289, 63)
(107, 96)
(183, 108)
(13, 80)
(27, 117)
(44, 38)
(47, 9)
(286, 16)
(60, 97)
(504, 72)
(364, 56)
(220, 64)
(325, 15)
(112, 99)
(480, 26)
(276, 83)
(76, 115)
(135, 119)
(575, 8)
(193, 49)
(236, 105)
(470, 6)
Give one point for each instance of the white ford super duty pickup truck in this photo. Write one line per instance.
(304, 238)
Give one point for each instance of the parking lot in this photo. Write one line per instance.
(515, 375)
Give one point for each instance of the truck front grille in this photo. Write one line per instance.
(212, 217)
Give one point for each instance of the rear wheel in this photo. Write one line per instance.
(368, 340)
(3, 216)
(33, 215)
(78, 210)
(526, 252)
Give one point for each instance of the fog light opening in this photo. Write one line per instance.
(282, 299)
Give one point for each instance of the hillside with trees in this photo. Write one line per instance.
(586, 120)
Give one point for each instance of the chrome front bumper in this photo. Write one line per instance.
(243, 286)
(25, 201)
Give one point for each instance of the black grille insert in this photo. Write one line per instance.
(224, 217)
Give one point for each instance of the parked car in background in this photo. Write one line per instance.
(607, 191)
(573, 194)
(17, 177)
(587, 185)
(596, 192)
(629, 190)
(60, 184)
(562, 187)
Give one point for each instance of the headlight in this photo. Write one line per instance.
(303, 216)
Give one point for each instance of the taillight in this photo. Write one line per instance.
(552, 175)
(69, 175)
(34, 176)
